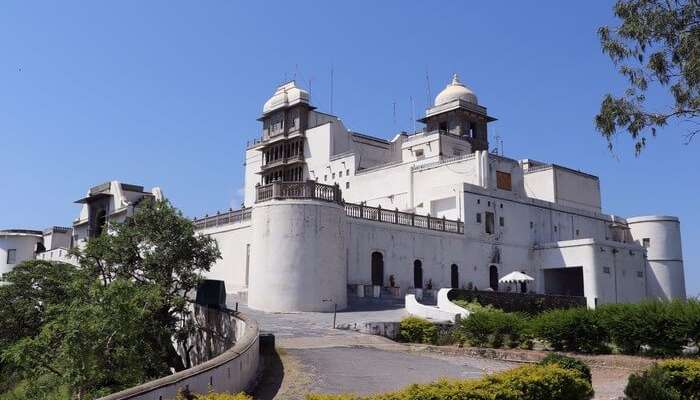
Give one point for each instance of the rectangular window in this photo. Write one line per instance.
(577, 232)
(333, 175)
(501, 221)
(11, 256)
(503, 180)
(340, 174)
(532, 224)
(347, 172)
(478, 218)
(606, 270)
(347, 185)
(489, 222)
(419, 154)
(325, 178)
(640, 274)
(646, 242)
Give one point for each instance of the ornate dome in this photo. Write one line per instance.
(286, 95)
(455, 90)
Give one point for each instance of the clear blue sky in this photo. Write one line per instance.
(166, 93)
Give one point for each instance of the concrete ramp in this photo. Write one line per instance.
(417, 309)
(445, 304)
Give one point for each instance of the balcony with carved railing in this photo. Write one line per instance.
(402, 218)
(317, 191)
(298, 190)
(225, 218)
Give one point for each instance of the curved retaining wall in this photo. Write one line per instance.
(444, 303)
(413, 307)
(232, 371)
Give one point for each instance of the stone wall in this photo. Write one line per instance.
(233, 370)
(530, 303)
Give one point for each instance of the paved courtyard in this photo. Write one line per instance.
(314, 357)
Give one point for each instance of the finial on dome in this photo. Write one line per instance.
(455, 79)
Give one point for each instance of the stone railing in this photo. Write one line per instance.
(402, 218)
(228, 217)
(233, 370)
(298, 190)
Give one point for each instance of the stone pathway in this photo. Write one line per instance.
(314, 357)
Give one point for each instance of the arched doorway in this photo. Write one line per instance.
(377, 269)
(418, 274)
(493, 277)
(454, 276)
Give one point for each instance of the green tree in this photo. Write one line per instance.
(156, 246)
(656, 43)
(109, 323)
(28, 290)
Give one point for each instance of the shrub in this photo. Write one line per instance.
(652, 384)
(655, 327)
(417, 330)
(494, 327)
(567, 362)
(451, 335)
(531, 382)
(671, 379)
(213, 396)
(574, 329)
(625, 324)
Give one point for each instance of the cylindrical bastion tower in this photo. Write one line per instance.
(661, 235)
(298, 255)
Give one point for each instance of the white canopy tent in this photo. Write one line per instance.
(516, 277)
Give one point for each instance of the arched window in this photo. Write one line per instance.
(454, 276)
(377, 269)
(418, 274)
(493, 277)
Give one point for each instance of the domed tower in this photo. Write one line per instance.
(661, 237)
(456, 111)
(285, 119)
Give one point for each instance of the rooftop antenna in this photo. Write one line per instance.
(413, 114)
(394, 117)
(427, 87)
(296, 70)
(331, 89)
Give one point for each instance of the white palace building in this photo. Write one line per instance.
(328, 211)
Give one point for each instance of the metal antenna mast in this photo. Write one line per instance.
(413, 114)
(331, 89)
(427, 87)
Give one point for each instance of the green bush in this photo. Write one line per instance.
(653, 327)
(574, 329)
(493, 327)
(666, 380)
(652, 384)
(213, 396)
(567, 362)
(530, 382)
(417, 330)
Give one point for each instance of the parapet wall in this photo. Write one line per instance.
(232, 371)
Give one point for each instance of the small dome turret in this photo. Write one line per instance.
(286, 95)
(455, 90)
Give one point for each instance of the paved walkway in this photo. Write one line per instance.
(314, 357)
